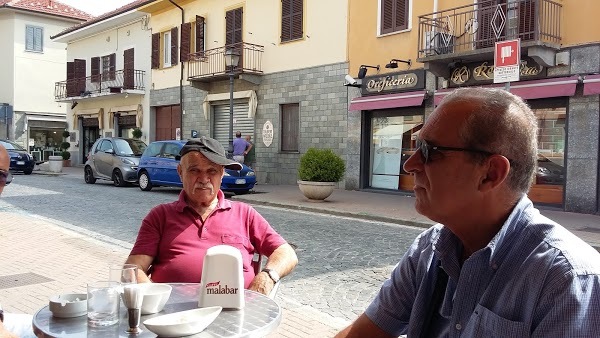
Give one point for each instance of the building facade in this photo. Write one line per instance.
(454, 44)
(105, 85)
(286, 90)
(30, 63)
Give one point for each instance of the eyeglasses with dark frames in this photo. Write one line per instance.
(5, 177)
(426, 149)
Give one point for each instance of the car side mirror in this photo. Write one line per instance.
(110, 151)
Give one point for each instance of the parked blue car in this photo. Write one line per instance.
(20, 159)
(158, 167)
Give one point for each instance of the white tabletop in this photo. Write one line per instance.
(260, 316)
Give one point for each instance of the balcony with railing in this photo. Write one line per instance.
(209, 65)
(469, 33)
(108, 83)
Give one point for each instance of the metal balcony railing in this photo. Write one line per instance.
(468, 28)
(108, 82)
(211, 63)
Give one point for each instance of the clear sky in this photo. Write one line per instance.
(95, 7)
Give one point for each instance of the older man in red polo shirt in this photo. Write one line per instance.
(174, 237)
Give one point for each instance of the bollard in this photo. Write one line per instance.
(55, 164)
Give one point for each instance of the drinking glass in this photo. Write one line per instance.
(123, 274)
(103, 303)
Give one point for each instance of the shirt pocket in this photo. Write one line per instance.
(242, 243)
(485, 323)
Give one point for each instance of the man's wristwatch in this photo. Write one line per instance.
(272, 274)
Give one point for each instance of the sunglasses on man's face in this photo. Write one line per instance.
(5, 177)
(427, 149)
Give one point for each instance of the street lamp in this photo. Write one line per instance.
(231, 62)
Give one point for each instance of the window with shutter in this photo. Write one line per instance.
(34, 38)
(166, 49)
(200, 34)
(129, 68)
(155, 51)
(71, 84)
(174, 45)
(394, 15)
(186, 32)
(290, 123)
(233, 26)
(95, 68)
(112, 66)
(292, 19)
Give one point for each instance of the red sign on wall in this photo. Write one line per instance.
(507, 55)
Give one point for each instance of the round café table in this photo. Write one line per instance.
(260, 316)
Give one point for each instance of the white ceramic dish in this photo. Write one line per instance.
(183, 323)
(156, 296)
(68, 305)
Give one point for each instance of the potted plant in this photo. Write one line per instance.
(136, 133)
(66, 155)
(319, 171)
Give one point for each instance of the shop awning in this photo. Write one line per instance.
(134, 109)
(409, 99)
(89, 113)
(591, 85)
(47, 121)
(529, 90)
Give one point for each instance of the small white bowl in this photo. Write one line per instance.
(68, 305)
(156, 296)
(183, 323)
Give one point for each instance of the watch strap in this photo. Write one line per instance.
(272, 274)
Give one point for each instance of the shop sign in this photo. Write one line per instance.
(394, 82)
(483, 72)
(267, 133)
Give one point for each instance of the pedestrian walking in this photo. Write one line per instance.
(249, 159)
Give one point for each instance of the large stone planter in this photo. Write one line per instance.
(316, 191)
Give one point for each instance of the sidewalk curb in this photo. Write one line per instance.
(367, 217)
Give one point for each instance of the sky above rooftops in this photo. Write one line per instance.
(96, 7)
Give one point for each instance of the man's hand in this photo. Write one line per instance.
(262, 283)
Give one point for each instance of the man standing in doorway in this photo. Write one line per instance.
(250, 158)
(240, 147)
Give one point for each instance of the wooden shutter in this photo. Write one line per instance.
(394, 15)
(79, 76)
(155, 50)
(233, 26)
(290, 121)
(95, 68)
(291, 19)
(174, 46)
(186, 32)
(128, 69)
(485, 12)
(112, 66)
(199, 34)
(71, 85)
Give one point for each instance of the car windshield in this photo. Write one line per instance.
(129, 147)
(11, 146)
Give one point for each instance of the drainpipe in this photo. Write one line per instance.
(181, 75)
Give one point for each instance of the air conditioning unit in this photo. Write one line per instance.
(437, 43)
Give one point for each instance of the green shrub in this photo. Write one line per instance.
(321, 165)
(137, 133)
(65, 155)
(66, 134)
(65, 145)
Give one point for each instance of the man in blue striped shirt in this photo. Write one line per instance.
(493, 266)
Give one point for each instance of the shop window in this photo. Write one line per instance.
(550, 172)
(393, 142)
(290, 122)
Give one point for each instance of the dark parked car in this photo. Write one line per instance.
(549, 172)
(158, 167)
(20, 159)
(115, 159)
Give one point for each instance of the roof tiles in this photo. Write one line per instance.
(51, 7)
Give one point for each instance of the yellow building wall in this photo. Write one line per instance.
(324, 41)
(580, 22)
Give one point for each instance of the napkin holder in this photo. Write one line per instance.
(222, 281)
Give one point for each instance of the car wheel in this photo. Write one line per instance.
(28, 171)
(145, 183)
(88, 176)
(117, 178)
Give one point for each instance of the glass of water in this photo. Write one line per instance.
(103, 298)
